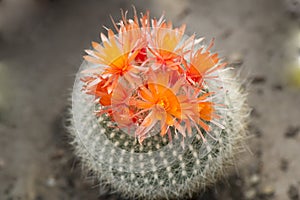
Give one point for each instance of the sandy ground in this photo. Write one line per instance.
(41, 48)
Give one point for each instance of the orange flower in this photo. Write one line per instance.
(113, 57)
(145, 78)
(125, 118)
(159, 99)
(116, 53)
(115, 102)
(164, 44)
(201, 64)
(120, 110)
(97, 86)
(197, 110)
(205, 110)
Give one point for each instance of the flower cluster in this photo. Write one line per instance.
(150, 75)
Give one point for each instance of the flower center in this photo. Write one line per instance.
(163, 103)
(166, 100)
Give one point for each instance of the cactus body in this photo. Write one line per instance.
(157, 167)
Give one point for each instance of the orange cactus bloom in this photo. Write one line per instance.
(97, 86)
(165, 44)
(201, 64)
(160, 100)
(149, 76)
(117, 52)
(121, 111)
(205, 110)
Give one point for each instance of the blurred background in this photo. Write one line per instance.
(41, 47)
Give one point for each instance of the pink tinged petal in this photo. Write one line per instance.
(131, 78)
(212, 42)
(182, 143)
(94, 82)
(203, 125)
(175, 66)
(114, 81)
(142, 104)
(142, 66)
(191, 44)
(169, 134)
(211, 136)
(92, 59)
(188, 126)
(90, 52)
(217, 67)
(179, 83)
(163, 128)
(97, 46)
(148, 123)
(96, 70)
(155, 54)
(217, 124)
(160, 21)
(162, 79)
(163, 118)
(140, 112)
(103, 111)
(103, 38)
(200, 133)
(156, 66)
(145, 94)
(211, 77)
(187, 44)
(179, 128)
(120, 96)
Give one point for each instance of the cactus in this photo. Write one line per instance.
(162, 155)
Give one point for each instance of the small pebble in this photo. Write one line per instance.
(277, 87)
(58, 154)
(293, 7)
(254, 179)
(258, 152)
(284, 164)
(2, 163)
(39, 197)
(267, 191)
(226, 33)
(292, 131)
(293, 192)
(258, 79)
(250, 194)
(51, 182)
(260, 91)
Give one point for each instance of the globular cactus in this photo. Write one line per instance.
(155, 114)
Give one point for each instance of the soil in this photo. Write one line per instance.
(41, 48)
